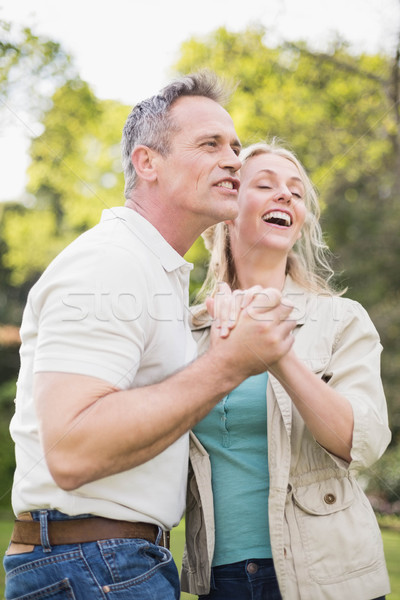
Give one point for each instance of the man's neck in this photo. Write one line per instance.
(179, 232)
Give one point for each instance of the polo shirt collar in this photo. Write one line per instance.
(149, 236)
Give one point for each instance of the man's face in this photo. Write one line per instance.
(198, 176)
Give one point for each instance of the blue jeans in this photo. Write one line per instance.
(116, 569)
(252, 579)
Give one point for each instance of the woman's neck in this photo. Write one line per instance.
(264, 273)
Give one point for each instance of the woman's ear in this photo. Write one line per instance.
(143, 160)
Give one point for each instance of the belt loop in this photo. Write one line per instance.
(166, 535)
(160, 537)
(44, 531)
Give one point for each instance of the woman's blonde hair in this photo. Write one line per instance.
(308, 261)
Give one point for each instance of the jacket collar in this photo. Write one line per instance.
(298, 296)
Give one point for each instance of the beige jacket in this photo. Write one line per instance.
(325, 540)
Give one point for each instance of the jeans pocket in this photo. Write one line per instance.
(34, 575)
(61, 590)
(140, 569)
(129, 560)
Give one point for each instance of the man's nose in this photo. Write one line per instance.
(230, 160)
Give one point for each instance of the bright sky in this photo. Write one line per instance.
(124, 48)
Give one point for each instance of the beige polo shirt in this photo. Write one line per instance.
(114, 305)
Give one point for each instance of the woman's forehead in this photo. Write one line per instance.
(270, 164)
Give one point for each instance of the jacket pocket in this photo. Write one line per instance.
(338, 529)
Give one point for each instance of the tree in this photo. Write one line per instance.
(340, 113)
(32, 68)
(75, 173)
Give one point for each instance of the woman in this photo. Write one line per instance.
(288, 519)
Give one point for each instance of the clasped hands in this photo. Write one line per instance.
(226, 306)
(256, 321)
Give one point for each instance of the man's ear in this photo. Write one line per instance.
(143, 160)
(228, 222)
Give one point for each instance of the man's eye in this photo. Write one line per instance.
(211, 143)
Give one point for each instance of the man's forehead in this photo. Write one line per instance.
(206, 108)
(203, 117)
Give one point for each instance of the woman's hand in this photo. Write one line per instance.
(226, 305)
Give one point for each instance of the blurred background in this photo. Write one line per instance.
(325, 79)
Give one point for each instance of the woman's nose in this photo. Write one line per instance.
(284, 195)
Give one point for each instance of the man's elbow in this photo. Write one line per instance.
(66, 472)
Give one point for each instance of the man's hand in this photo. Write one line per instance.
(255, 328)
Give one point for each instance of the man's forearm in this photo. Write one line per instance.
(90, 430)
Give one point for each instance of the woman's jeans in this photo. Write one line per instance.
(252, 579)
(116, 569)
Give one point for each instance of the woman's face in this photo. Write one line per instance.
(271, 205)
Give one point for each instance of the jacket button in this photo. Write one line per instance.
(330, 498)
(252, 568)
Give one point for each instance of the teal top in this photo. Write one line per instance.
(234, 434)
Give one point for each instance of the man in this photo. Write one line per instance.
(103, 405)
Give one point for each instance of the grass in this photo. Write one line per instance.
(391, 541)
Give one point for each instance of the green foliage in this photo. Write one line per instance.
(391, 543)
(328, 117)
(7, 462)
(384, 477)
(198, 255)
(31, 68)
(75, 173)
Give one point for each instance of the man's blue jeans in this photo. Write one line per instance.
(117, 569)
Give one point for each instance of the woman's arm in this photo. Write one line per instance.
(327, 413)
(348, 415)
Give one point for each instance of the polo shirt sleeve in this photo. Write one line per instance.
(91, 315)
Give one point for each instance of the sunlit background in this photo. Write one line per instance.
(323, 76)
(125, 49)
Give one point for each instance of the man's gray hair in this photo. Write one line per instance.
(150, 122)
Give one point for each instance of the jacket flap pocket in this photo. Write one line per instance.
(324, 497)
(318, 364)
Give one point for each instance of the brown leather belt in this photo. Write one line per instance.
(80, 531)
